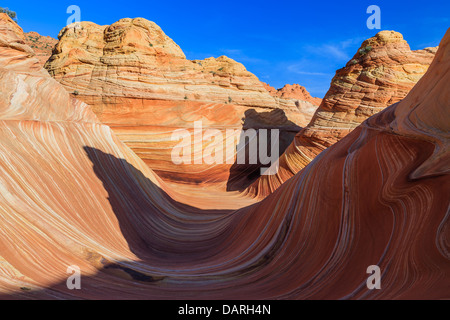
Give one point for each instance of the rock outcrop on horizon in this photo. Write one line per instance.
(380, 74)
(139, 82)
(41, 45)
(294, 91)
(73, 195)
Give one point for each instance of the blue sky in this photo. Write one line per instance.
(280, 41)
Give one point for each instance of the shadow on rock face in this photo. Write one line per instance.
(244, 174)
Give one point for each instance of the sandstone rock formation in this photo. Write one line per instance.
(55, 209)
(72, 195)
(41, 45)
(377, 197)
(294, 91)
(140, 83)
(21, 72)
(381, 73)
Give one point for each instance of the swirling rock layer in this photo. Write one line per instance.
(73, 195)
(140, 83)
(381, 73)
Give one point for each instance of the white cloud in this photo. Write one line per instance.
(337, 51)
(341, 51)
(352, 42)
(240, 56)
(302, 68)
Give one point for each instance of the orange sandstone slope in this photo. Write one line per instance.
(139, 82)
(57, 207)
(41, 45)
(73, 195)
(380, 197)
(381, 73)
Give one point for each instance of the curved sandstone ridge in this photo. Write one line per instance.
(139, 82)
(72, 195)
(54, 194)
(20, 73)
(381, 73)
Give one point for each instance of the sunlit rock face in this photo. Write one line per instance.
(73, 195)
(139, 82)
(41, 45)
(22, 74)
(294, 92)
(380, 74)
(49, 191)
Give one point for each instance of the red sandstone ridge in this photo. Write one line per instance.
(21, 73)
(294, 91)
(139, 82)
(48, 143)
(41, 45)
(71, 194)
(379, 195)
(381, 73)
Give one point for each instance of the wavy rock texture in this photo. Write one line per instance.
(41, 45)
(140, 83)
(21, 72)
(73, 194)
(381, 73)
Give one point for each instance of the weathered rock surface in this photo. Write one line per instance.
(21, 72)
(140, 83)
(41, 45)
(71, 194)
(57, 206)
(380, 74)
(294, 92)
